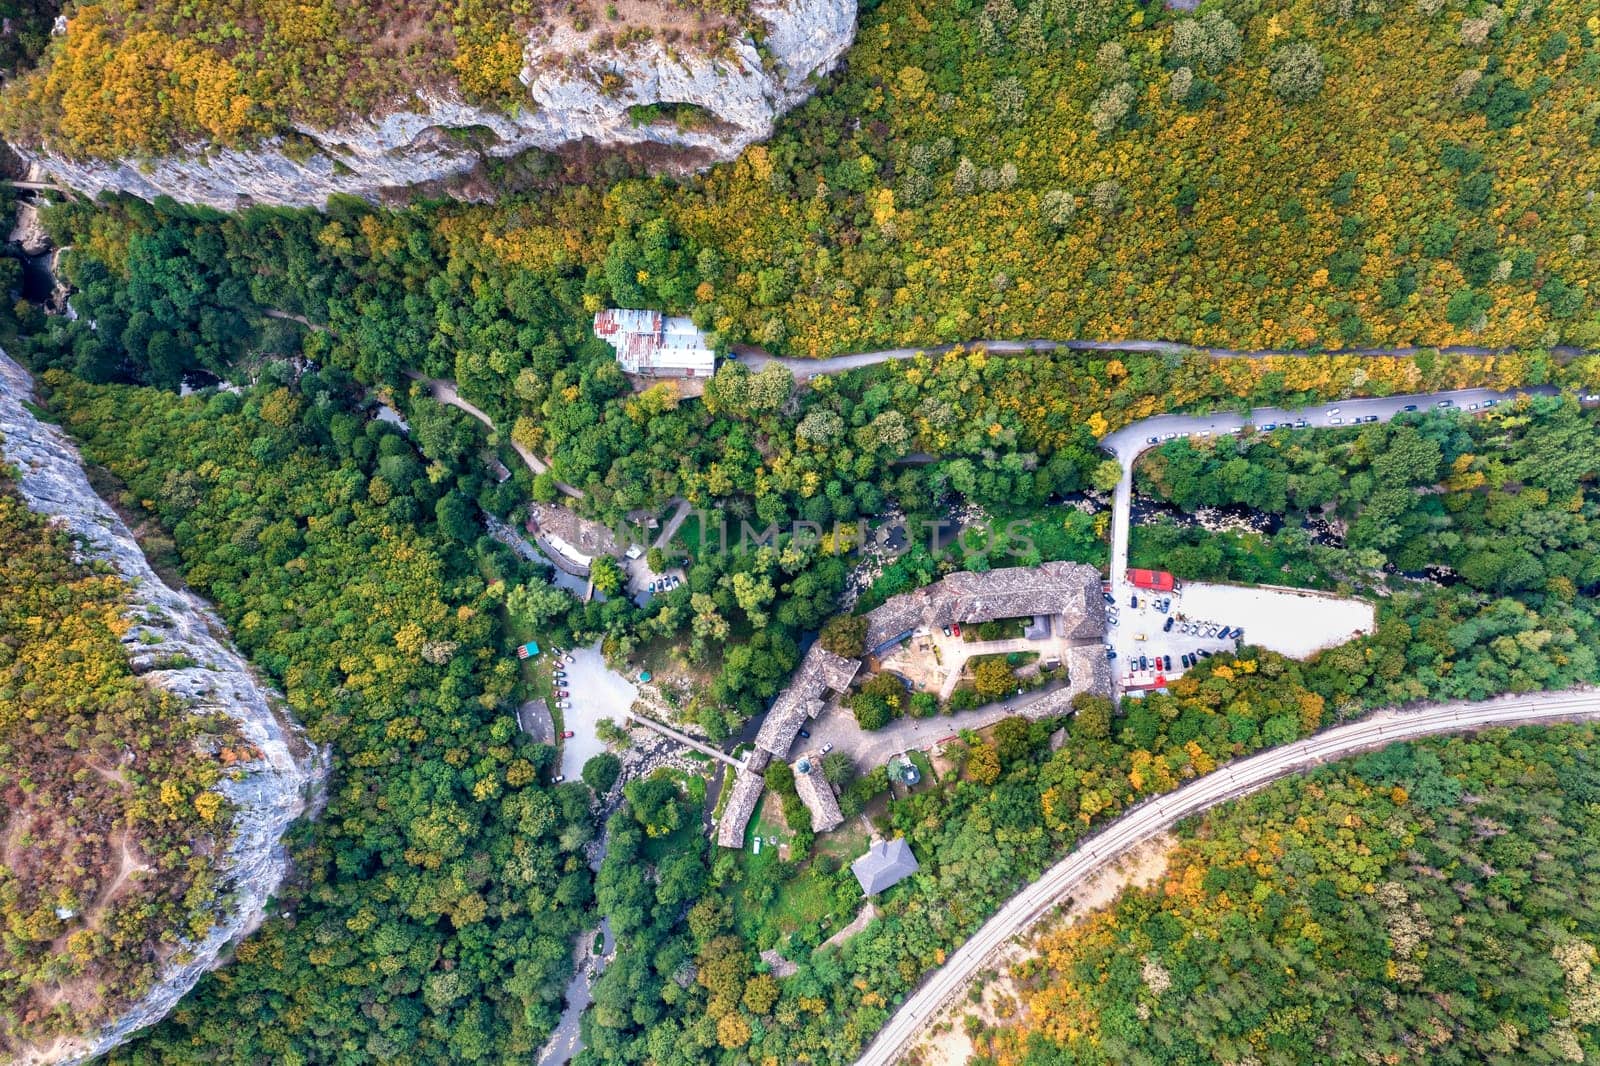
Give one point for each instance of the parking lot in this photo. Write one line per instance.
(1146, 643)
(597, 692)
(1198, 619)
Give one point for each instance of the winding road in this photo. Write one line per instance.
(1160, 813)
(802, 368)
(1127, 443)
(445, 392)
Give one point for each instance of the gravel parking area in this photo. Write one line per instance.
(597, 692)
(1293, 622)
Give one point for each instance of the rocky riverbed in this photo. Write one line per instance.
(176, 643)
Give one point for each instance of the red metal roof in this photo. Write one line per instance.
(1155, 580)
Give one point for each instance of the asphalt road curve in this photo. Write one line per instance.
(1160, 813)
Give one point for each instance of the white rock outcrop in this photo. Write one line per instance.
(744, 89)
(176, 643)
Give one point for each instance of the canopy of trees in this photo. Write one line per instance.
(439, 892)
(110, 825)
(1431, 903)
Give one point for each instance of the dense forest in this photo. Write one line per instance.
(439, 892)
(171, 291)
(109, 821)
(1501, 501)
(1430, 903)
(1317, 173)
(234, 73)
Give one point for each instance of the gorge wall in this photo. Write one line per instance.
(177, 644)
(577, 90)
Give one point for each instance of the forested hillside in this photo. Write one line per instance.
(1311, 173)
(1432, 903)
(1505, 503)
(110, 827)
(236, 71)
(440, 890)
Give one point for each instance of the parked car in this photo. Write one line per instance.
(805, 734)
(1185, 660)
(567, 658)
(1133, 601)
(1490, 403)
(1269, 427)
(1472, 407)
(1144, 663)
(1445, 403)
(1301, 424)
(1169, 436)
(1370, 418)
(1409, 407)
(956, 629)
(826, 748)
(1168, 627)
(559, 778)
(1153, 440)
(1166, 661)
(947, 631)
(1111, 653)
(1109, 598)
(562, 692)
(1335, 421)
(1333, 411)
(1138, 636)
(1202, 653)
(568, 735)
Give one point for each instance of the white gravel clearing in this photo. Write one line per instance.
(597, 692)
(1293, 622)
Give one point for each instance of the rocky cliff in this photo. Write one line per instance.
(176, 643)
(576, 90)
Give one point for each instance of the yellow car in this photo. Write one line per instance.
(1138, 636)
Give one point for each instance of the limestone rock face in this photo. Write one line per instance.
(191, 657)
(742, 92)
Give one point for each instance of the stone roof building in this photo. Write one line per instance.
(1070, 592)
(742, 800)
(886, 863)
(816, 794)
(895, 617)
(820, 672)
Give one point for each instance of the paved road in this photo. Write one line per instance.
(837, 727)
(1128, 442)
(756, 358)
(1161, 813)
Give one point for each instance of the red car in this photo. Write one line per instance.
(956, 629)
(566, 735)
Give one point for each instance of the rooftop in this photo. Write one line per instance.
(648, 342)
(817, 794)
(742, 800)
(1070, 591)
(886, 863)
(819, 672)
